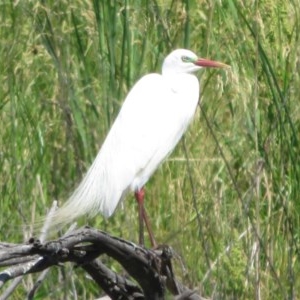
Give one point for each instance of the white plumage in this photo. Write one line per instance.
(153, 118)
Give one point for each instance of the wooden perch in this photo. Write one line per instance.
(151, 269)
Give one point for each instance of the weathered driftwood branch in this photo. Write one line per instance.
(152, 269)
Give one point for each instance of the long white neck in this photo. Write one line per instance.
(182, 82)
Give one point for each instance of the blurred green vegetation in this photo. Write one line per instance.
(227, 199)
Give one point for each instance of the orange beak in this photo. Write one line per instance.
(203, 62)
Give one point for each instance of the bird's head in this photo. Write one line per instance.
(185, 61)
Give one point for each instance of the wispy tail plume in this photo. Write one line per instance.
(95, 194)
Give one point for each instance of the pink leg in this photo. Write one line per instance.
(143, 217)
(139, 196)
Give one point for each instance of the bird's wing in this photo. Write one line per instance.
(152, 120)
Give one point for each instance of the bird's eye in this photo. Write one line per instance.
(185, 59)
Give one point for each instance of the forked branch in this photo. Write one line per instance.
(151, 269)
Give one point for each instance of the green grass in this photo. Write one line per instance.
(227, 199)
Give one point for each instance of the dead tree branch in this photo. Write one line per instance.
(151, 269)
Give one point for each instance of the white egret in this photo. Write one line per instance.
(153, 118)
